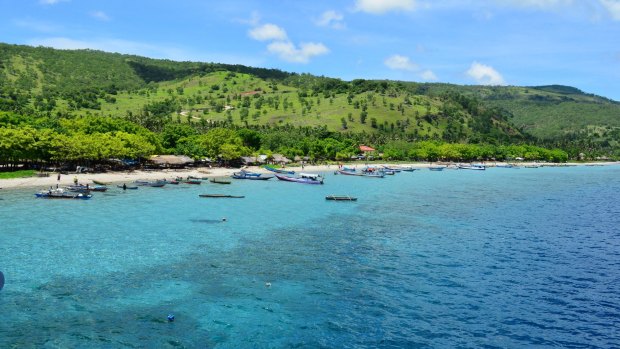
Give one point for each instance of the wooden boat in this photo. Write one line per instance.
(250, 176)
(219, 181)
(392, 169)
(277, 170)
(472, 167)
(409, 169)
(100, 182)
(221, 196)
(361, 174)
(128, 187)
(305, 178)
(154, 184)
(437, 168)
(340, 198)
(61, 194)
(192, 181)
(86, 188)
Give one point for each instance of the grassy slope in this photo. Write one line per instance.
(546, 111)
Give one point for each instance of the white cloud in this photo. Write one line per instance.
(613, 7)
(398, 62)
(287, 51)
(378, 7)
(428, 75)
(100, 15)
(485, 74)
(267, 32)
(331, 19)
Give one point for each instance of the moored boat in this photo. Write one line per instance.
(436, 168)
(127, 187)
(155, 184)
(221, 196)
(340, 198)
(378, 174)
(305, 178)
(61, 194)
(219, 181)
(477, 167)
(278, 170)
(250, 176)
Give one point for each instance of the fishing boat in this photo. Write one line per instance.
(61, 194)
(127, 187)
(361, 174)
(192, 181)
(154, 184)
(409, 169)
(221, 196)
(80, 188)
(219, 181)
(305, 178)
(250, 176)
(437, 168)
(477, 167)
(340, 198)
(392, 169)
(100, 182)
(278, 170)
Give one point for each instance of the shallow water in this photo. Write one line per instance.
(500, 258)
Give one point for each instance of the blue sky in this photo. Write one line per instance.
(497, 42)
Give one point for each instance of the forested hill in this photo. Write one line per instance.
(151, 93)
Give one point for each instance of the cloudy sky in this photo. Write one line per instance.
(495, 42)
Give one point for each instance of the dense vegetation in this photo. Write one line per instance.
(85, 106)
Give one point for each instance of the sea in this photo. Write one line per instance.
(502, 258)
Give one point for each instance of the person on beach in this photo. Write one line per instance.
(75, 181)
(58, 178)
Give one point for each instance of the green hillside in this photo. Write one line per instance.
(152, 93)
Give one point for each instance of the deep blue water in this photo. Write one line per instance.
(526, 258)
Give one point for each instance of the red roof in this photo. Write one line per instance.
(366, 148)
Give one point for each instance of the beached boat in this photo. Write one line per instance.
(340, 198)
(221, 196)
(278, 170)
(127, 187)
(100, 182)
(305, 178)
(61, 194)
(219, 181)
(250, 176)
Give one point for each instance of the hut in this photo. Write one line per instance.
(280, 159)
(171, 161)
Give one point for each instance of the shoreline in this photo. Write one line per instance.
(120, 177)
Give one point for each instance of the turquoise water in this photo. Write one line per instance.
(497, 259)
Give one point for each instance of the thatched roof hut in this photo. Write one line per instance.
(171, 160)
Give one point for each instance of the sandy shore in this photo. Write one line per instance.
(130, 176)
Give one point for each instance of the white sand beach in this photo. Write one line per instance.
(210, 172)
